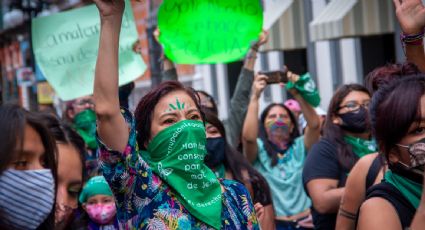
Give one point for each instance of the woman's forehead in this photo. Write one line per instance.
(174, 101)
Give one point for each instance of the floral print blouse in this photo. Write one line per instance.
(144, 201)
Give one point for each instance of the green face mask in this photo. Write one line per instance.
(85, 125)
(177, 154)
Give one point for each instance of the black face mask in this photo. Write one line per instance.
(215, 148)
(356, 121)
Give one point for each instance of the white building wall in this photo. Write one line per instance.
(323, 61)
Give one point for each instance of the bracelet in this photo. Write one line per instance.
(412, 39)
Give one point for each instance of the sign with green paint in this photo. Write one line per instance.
(66, 44)
(208, 31)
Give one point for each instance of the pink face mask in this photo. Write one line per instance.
(101, 213)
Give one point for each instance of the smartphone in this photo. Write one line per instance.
(277, 76)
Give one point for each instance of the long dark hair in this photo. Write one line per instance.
(271, 151)
(13, 120)
(236, 163)
(64, 133)
(394, 109)
(334, 133)
(146, 106)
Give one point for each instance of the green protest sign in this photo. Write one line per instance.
(208, 31)
(65, 47)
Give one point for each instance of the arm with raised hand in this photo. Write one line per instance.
(250, 127)
(312, 132)
(411, 16)
(112, 128)
(240, 100)
(168, 70)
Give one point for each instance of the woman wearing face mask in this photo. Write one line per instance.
(229, 164)
(346, 138)
(393, 202)
(27, 171)
(154, 161)
(80, 114)
(370, 169)
(278, 152)
(71, 173)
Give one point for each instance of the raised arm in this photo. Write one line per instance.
(250, 127)
(112, 128)
(411, 16)
(240, 100)
(312, 132)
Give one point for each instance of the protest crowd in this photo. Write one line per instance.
(172, 163)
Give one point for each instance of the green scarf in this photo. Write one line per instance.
(361, 147)
(177, 155)
(306, 88)
(220, 171)
(411, 190)
(85, 125)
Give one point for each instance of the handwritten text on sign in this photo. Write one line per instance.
(66, 45)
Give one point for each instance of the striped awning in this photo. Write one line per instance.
(289, 31)
(349, 18)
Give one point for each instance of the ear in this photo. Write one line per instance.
(393, 157)
(336, 120)
(71, 113)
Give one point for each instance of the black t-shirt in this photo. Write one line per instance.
(387, 191)
(322, 163)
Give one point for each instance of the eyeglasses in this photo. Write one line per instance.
(353, 106)
(84, 102)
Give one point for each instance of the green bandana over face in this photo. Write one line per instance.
(85, 125)
(411, 190)
(177, 155)
(361, 147)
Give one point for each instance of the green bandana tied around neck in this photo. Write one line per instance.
(85, 125)
(95, 186)
(177, 155)
(361, 147)
(306, 88)
(411, 190)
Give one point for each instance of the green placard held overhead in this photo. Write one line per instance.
(208, 31)
(66, 44)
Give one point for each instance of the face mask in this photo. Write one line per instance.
(417, 159)
(278, 133)
(63, 213)
(356, 121)
(176, 154)
(26, 197)
(216, 150)
(101, 213)
(85, 124)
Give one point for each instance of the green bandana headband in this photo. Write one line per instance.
(361, 147)
(85, 125)
(411, 190)
(177, 155)
(307, 89)
(95, 186)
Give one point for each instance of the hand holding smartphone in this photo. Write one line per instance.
(275, 77)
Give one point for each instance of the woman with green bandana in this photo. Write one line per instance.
(398, 119)
(154, 160)
(347, 138)
(80, 113)
(275, 148)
